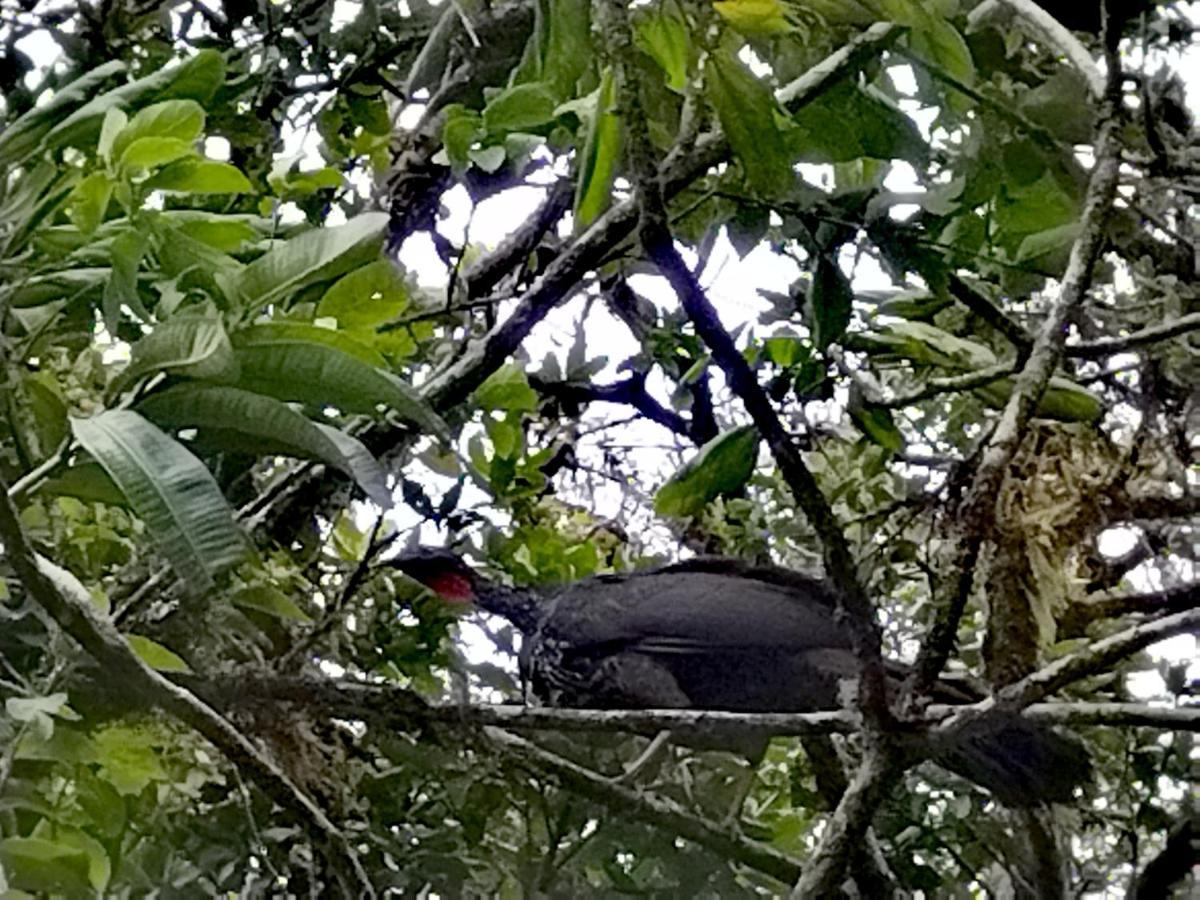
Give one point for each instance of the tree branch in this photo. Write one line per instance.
(66, 600)
(657, 811)
(976, 517)
(1096, 657)
(1103, 347)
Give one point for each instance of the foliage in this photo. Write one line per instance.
(226, 400)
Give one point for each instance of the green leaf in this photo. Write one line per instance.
(197, 78)
(66, 284)
(89, 202)
(313, 256)
(242, 421)
(155, 655)
(88, 482)
(113, 124)
(663, 35)
(747, 111)
(325, 368)
(270, 600)
(521, 107)
(1054, 242)
(128, 248)
(171, 491)
(1063, 400)
(829, 302)
(368, 296)
(181, 120)
(195, 346)
(462, 128)
(507, 389)
(848, 122)
(568, 50)
(875, 422)
(200, 176)
(601, 150)
(151, 152)
(722, 466)
(45, 867)
(27, 134)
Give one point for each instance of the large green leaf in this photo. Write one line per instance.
(199, 176)
(45, 867)
(747, 111)
(316, 255)
(196, 78)
(722, 466)
(121, 291)
(171, 491)
(520, 108)
(830, 302)
(368, 296)
(181, 120)
(192, 345)
(239, 420)
(930, 345)
(87, 481)
(598, 165)
(25, 136)
(663, 35)
(848, 122)
(320, 367)
(66, 284)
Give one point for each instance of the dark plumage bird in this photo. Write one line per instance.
(717, 634)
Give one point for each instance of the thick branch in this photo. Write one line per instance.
(1179, 857)
(631, 392)
(1099, 656)
(846, 829)
(1111, 606)
(976, 517)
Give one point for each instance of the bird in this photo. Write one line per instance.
(714, 633)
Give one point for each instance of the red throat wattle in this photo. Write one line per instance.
(452, 588)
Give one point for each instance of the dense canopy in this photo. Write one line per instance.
(898, 294)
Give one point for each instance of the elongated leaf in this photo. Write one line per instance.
(196, 78)
(520, 108)
(171, 491)
(128, 248)
(88, 482)
(155, 655)
(600, 152)
(747, 112)
(663, 35)
(24, 136)
(316, 255)
(722, 466)
(192, 345)
(65, 285)
(182, 120)
(830, 302)
(319, 367)
(200, 176)
(247, 422)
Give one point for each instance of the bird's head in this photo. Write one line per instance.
(448, 576)
(443, 572)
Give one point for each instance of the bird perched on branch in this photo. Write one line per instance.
(718, 634)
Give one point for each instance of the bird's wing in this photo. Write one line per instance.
(683, 610)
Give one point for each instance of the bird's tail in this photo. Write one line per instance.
(1022, 762)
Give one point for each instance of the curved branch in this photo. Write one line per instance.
(1096, 657)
